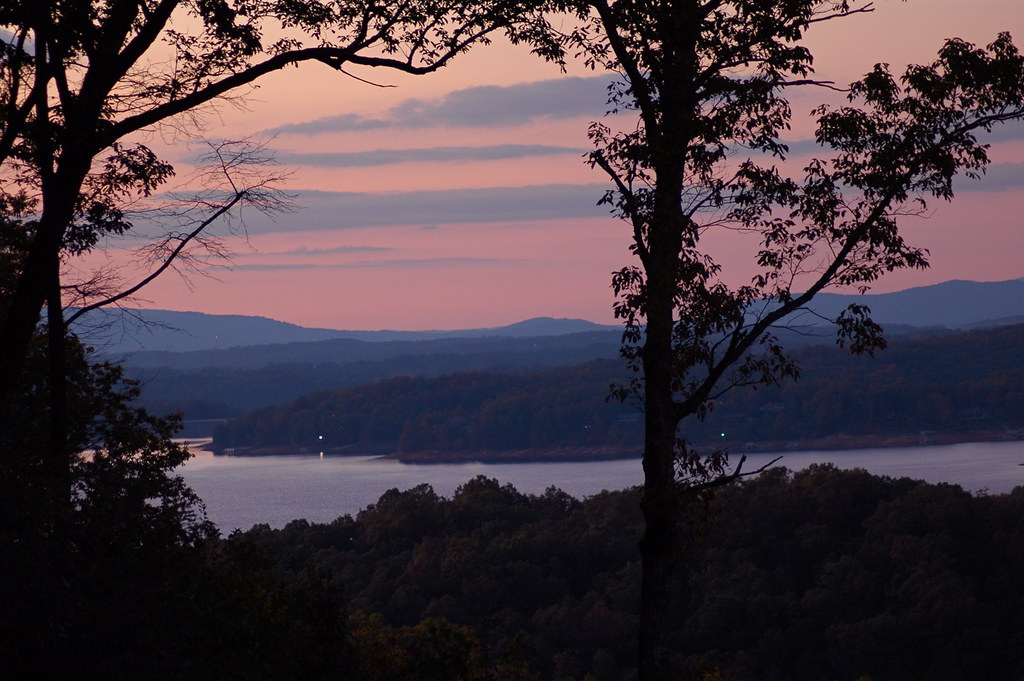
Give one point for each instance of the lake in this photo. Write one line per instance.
(242, 491)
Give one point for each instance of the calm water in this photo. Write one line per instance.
(242, 491)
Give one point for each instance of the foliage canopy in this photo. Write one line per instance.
(708, 81)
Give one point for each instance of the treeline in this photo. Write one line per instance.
(565, 406)
(221, 390)
(821, 575)
(223, 383)
(349, 351)
(814, 576)
(961, 382)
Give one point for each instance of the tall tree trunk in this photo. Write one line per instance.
(58, 460)
(39, 278)
(658, 551)
(21, 318)
(660, 544)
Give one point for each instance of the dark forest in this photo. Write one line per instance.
(820, 575)
(968, 382)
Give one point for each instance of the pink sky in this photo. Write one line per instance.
(472, 207)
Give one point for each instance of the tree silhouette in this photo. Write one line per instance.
(82, 82)
(708, 80)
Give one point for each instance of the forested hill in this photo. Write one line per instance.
(218, 381)
(818, 575)
(216, 384)
(204, 392)
(964, 384)
(349, 351)
(463, 411)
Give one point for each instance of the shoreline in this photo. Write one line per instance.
(583, 454)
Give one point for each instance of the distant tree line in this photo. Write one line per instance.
(459, 411)
(225, 391)
(958, 382)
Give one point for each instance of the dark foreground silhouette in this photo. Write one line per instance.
(819, 575)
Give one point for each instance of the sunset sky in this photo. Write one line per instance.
(461, 199)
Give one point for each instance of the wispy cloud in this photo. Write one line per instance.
(430, 262)
(999, 177)
(273, 267)
(379, 157)
(326, 211)
(1011, 131)
(376, 264)
(480, 106)
(328, 251)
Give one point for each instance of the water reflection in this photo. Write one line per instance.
(243, 491)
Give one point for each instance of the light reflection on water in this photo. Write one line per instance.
(242, 491)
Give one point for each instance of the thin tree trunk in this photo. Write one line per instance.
(39, 277)
(58, 460)
(659, 555)
(659, 546)
(21, 318)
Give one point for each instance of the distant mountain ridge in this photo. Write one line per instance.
(602, 343)
(118, 333)
(121, 334)
(956, 304)
(218, 382)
